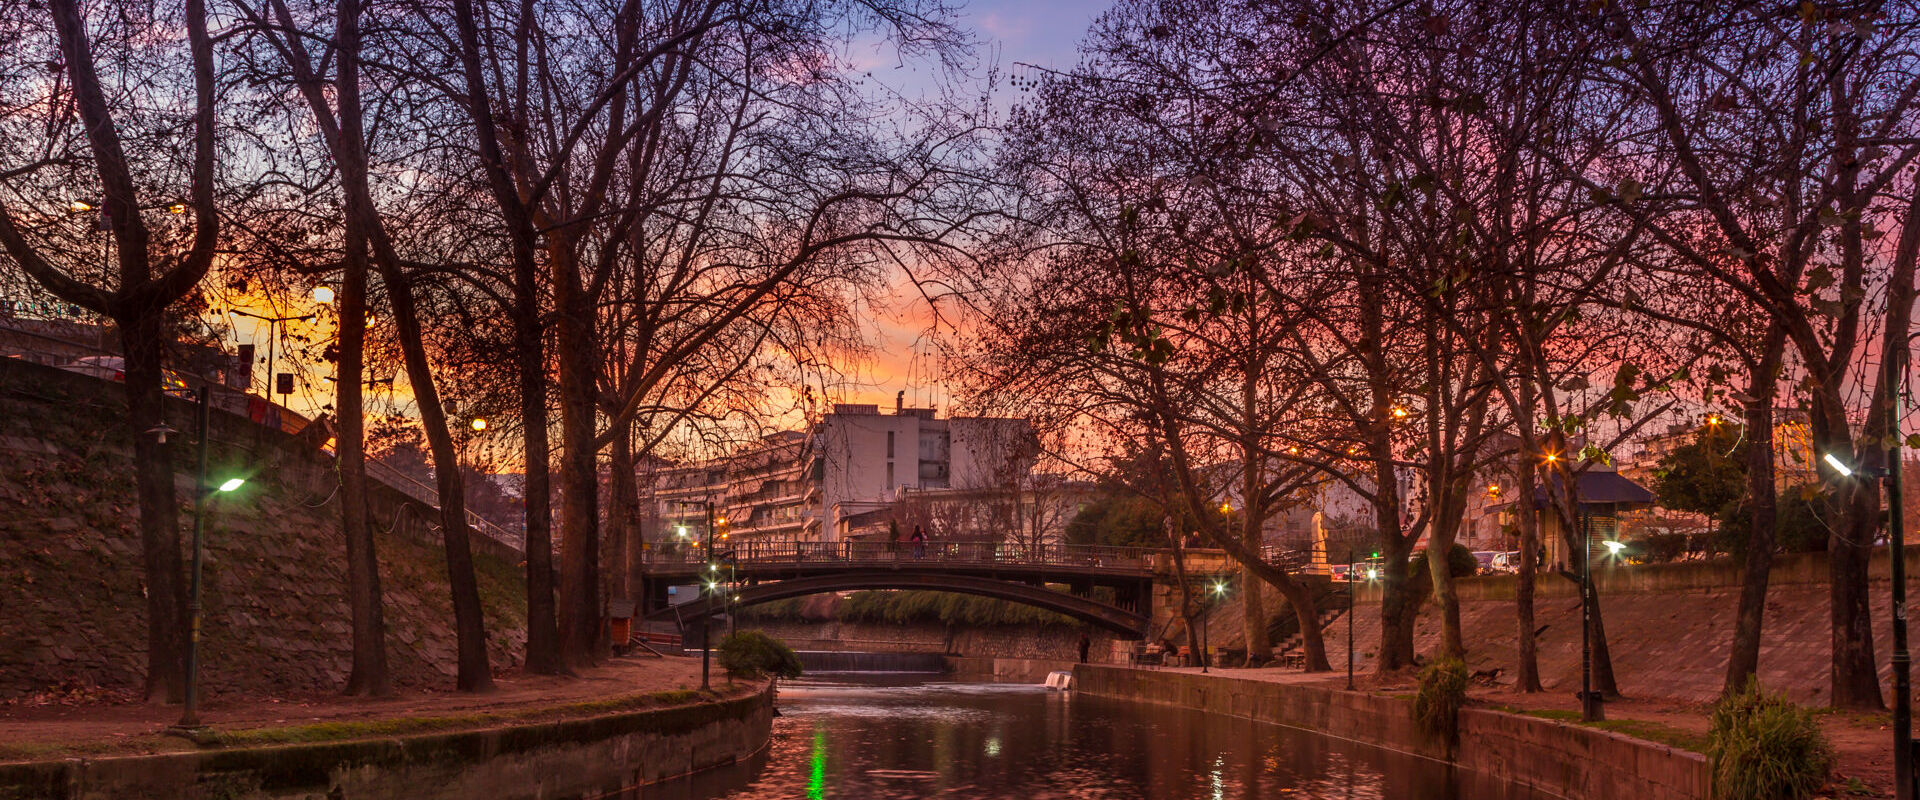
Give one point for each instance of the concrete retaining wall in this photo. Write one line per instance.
(1559, 759)
(72, 607)
(590, 757)
(1006, 670)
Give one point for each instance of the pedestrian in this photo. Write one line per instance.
(1086, 644)
(919, 542)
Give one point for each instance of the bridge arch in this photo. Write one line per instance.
(1107, 617)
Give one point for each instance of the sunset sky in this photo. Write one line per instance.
(904, 357)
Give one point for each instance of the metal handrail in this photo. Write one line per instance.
(767, 552)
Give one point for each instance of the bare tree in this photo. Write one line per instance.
(95, 134)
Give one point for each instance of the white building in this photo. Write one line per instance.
(864, 461)
(839, 479)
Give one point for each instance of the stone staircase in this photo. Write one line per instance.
(1283, 629)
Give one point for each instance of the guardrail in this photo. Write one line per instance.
(764, 552)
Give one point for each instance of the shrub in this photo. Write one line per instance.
(1443, 689)
(1762, 747)
(752, 654)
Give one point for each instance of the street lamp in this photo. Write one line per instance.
(706, 611)
(1838, 465)
(190, 716)
(273, 324)
(479, 424)
(1353, 574)
(1590, 707)
(1206, 629)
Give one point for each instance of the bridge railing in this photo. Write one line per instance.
(771, 553)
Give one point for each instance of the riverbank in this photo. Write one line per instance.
(1863, 759)
(1550, 756)
(631, 721)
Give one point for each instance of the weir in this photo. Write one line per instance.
(816, 661)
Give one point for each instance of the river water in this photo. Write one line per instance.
(903, 736)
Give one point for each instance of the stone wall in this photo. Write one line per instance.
(592, 757)
(1046, 643)
(72, 608)
(1560, 759)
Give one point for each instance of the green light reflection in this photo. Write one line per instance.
(817, 778)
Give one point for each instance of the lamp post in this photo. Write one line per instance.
(190, 716)
(1590, 708)
(1353, 574)
(273, 324)
(706, 612)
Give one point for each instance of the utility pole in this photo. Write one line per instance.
(190, 716)
(706, 611)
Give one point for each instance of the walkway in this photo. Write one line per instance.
(44, 727)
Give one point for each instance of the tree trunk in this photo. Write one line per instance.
(622, 506)
(1445, 527)
(1527, 672)
(141, 339)
(624, 493)
(369, 675)
(579, 486)
(1855, 679)
(1312, 643)
(1397, 608)
(469, 624)
(1855, 674)
(1743, 661)
(543, 633)
(1254, 625)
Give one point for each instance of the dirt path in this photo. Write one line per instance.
(49, 727)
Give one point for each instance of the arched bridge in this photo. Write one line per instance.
(1059, 578)
(1104, 615)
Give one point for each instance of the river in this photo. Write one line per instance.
(872, 735)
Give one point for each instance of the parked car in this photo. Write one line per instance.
(1504, 563)
(1484, 558)
(113, 368)
(1340, 572)
(106, 368)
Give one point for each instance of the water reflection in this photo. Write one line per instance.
(881, 737)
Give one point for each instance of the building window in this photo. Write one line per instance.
(889, 472)
(889, 449)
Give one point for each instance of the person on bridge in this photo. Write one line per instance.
(919, 542)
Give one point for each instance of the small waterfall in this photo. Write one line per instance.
(837, 661)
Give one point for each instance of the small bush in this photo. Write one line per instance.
(1763, 747)
(1443, 689)
(751, 654)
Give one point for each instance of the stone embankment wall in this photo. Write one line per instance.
(1046, 643)
(1554, 758)
(1670, 627)
(72, 607)
(591, 757)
